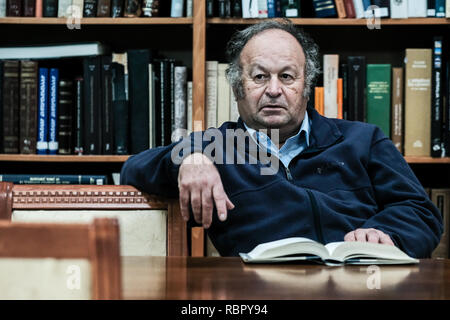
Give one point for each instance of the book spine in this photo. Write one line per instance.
(14, 8)
(89, 8)
(92, 105)
(271, 9)
(1, 105)
(50, 8)
(189, 106)
(79, 117)
(211, 93)
(28, 106)
(249, 9)
(117, 8)
(447, 9)
(324, 9)
(359, 8)
(29, 8)
(236, 9)
(441, 199)
(53, 111)
(440, 8)
(356, 88)
(132, 8)
(158, 94)
(234, 113)
(437, 107)
(42, 138)
(104, 8)
(120, 109)
(176, 9)
(171, 97)
(210, 8)
(54, 179)
(343, 74)
(379, 96)
(397, 108)
(262, 9)
(418, 102)
(330, 76)
(223, 95)
(39, 8)
(138, 61)
(65, 107)
(150, 8)
(399, 9)
(340, 7)
(11, 106)
(165, 103)
(180, 103)
(431, 8)
(417, 8)
(106, 111)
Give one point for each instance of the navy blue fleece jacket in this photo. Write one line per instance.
(351, 176)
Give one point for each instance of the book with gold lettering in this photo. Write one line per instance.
(332, 254)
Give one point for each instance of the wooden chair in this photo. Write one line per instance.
(60, 261)
(149, 225)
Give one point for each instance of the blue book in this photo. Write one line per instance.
(324, 9)
(271, 8)
(42, 137)
(53, 111)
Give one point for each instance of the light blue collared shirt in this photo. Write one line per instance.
(292, 146)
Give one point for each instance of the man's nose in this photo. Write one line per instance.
(273, 87)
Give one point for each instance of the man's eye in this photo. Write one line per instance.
(286, 76)
(259, 77)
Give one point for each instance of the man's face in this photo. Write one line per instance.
(273, 66)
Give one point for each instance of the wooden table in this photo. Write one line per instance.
(228, 278)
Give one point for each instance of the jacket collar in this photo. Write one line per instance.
(323, 132)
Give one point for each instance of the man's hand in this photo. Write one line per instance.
(368, 235)
(200, 185)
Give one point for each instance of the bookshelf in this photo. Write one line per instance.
(199, 39)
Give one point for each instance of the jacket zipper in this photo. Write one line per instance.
(316, 213)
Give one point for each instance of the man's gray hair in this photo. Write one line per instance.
(240, 39)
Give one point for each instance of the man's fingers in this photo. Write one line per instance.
(223, 204)
(350, 236)
(385, 239)
(360, 235)
(230, 205)
(207, 207)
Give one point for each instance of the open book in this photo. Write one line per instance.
(334, 253)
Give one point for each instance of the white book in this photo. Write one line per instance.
(2, 8)
(417, 8)
(223, 95)
(447, 8)
(399, 9)
(234, 112)
(63, 8)
(77, 8)
(249, 9)
(262, 9)
(53, 51)
(211, 94)
(189, 106)
(189, 7)
(332, 254)
(176, 9)
(330, 76)
(180, 103)
(359, 8)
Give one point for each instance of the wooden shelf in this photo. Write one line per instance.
(97, 21)
(60, 158)
(338, 22)
(427, 160)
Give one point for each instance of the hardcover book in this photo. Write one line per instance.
(89, 8)
(54, 179)
(397, 108)
(2, 8)
(249, 9)
(331, 254)
(437, 106)
(106, 107)
(10, 129)
(180, 103)
(50, 8)
(356, 88)
(150, 8)
(120, 109)
(13, 8)
(330, 76)
(211, 93)
(418, 102)
(117, 8)
(65, 108)
(42, 137)
(29, 8)
(441, 199)
(1, 106)
(78, 133)
(399, 9)
(104, 8)
(324, 9)
(379, 96)
(53, 111)
(349, 9)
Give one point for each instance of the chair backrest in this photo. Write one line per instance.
(149, 225)
(60, 261)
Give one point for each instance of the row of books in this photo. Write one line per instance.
(96, 8)
(409, 103)
(54, 179)
(396, 9)
(441, 199)
(122, 103)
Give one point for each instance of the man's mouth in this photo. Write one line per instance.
(272, 107)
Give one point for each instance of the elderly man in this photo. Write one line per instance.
(331, 180)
